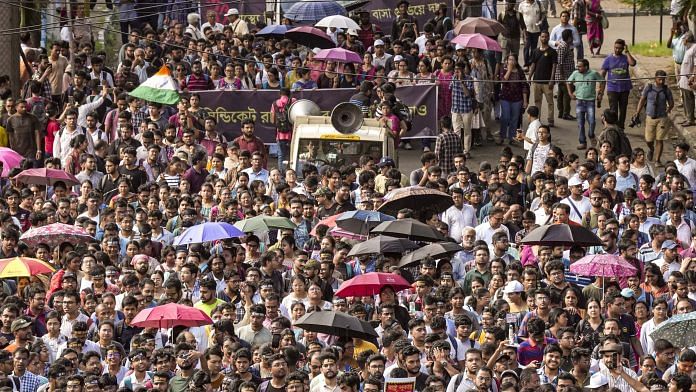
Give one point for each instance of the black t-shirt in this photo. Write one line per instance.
(271, 388)
(544, 60)
(515, 192)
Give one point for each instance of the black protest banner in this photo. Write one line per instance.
(230, 108)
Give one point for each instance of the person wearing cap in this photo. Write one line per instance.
(669, 262)
(380, 56)
(618, 376)
(404, 25)
(598, 382)
(352, 43)
(513, 295)
(239, 26)
(579, 204)
(21, 329)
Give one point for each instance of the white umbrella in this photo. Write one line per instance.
(339, 22)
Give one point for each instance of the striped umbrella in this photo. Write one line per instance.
(23, 267)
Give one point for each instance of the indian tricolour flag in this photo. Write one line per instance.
(159, 88)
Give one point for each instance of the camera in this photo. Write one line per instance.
(635, 120)
(614, 361)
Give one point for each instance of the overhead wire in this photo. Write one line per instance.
(386, 77)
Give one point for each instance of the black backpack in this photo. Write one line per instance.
(282, 120)
(624, 146)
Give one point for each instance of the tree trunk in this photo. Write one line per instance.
(9, 46)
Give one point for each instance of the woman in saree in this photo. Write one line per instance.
(595, 31)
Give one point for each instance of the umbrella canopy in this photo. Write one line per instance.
(314, 11)
(337, 232)
(338, 21)
(277, 31)
(361, 221)
(46, 177)
(264, 222)
(337, 324)
(680, 330)
(382, 244)
(329, 221)
(436, 250)
(371, 283)
(561, 234)
(478, 41)
(206, 232)
(416, 198)
(171, 315)
(23, 266)
(338, 55)
(408, 228)
(311, 37)
(55, 234)
(479, 25)
(605, 265)
(10, 159)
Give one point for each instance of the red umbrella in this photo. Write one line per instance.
(47, 177)
(171, 315)
(371, 283)
(311, 37)
(478, 41)
(329, 221)
(55, 234)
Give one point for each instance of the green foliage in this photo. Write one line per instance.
(651, 49)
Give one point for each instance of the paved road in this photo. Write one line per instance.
(564, 134)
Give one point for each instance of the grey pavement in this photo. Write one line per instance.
(565, 133)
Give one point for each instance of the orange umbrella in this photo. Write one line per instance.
(23, 267)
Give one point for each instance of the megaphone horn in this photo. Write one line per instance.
(346, 118)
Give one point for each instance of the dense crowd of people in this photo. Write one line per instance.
(497, 316)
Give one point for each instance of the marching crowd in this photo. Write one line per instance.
(497, 316)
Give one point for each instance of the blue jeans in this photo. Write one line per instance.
(509, 118)
(283, 154)
(582, 108)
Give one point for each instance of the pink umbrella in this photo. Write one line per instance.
(604, 265)
(10, 159)
(55, 234)
(371, 283)
(311, 37)
(171, 315)
(338, 55)
(328, 221)
(478, 41)
(45, 176)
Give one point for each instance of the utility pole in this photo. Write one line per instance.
(9, 45)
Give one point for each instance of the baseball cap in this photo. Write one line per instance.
(323, 191)
(232, 11)
(379, 42)
(574, 181)
(669, 244)
(352, 32)
(513, 287)
(20, 323)
(598, 380)
(386, 161)
(398, 58)
(459, 46)
(68, 275)
(311, 264)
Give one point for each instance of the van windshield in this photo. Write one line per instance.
(319, 152)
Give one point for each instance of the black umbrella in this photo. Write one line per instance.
(310, 37)
(417, 198)
(435, 251)
(561, 234)
(336, 323)
(409, 228)
(382, 244)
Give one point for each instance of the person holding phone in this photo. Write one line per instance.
(618, 375)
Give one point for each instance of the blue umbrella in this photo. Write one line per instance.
(273, 31)
(314, 11)
(206, 232)
(361, 221)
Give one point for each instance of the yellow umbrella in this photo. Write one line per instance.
(23, 266)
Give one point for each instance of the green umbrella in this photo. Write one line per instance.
(264, 222)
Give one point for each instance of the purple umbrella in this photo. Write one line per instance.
(604, 265)
(338, 55)
(311, 37)
(206, 232)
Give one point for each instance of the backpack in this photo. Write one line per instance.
(282, 120)
(663, 91)
(624, 146)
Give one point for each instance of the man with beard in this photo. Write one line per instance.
(550, 368)
(342, 199)
(279, 371)
(466, 380)
(208, 300)
(464, 257)
(131, 170)
(242, 363)
(412, 365)
(484, 378)
(304, 226)
(249, 142)
(186, 359)
(329, 371)
(589, 219)
(21, 329)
